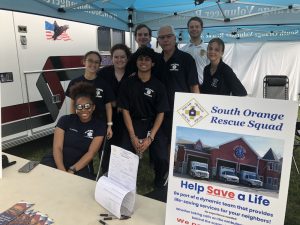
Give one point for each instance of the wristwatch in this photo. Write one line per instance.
(73, 169)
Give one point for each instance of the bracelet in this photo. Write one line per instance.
(109, 123)
(73, 169)
(152, 139)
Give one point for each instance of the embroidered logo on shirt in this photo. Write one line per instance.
(174, 67)
(148, 92)
(89, 134)
(214, 82)
(99, 93)
(72, 129)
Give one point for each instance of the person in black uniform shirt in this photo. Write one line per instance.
(219, 78)
(77, 137)
(177, 71)
(143, 100)
(114, 75)
(104, 94)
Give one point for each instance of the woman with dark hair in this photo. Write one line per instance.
(104, 95)
(77, 137)
(218, 77)
(114, 75)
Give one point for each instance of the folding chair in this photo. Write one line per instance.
(276, 87)
(297, 143)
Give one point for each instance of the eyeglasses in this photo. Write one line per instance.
(167, 36)
(84, 106)
(92, 61)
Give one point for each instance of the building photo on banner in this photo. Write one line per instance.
(231, 160)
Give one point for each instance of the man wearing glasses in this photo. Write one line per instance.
(177, 71)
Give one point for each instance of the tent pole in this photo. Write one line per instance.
(131, 38)
(130, 26)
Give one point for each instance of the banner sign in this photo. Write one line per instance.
(230, 160)
(0, 140)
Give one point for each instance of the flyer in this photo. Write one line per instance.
(116, 193)
(13, 212)
(230, 160)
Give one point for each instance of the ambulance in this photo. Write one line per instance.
(39, 56)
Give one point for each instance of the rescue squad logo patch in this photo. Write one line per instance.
(89, 134)
(148, 92)
(99, 93)
(174, 67)
(192, 112)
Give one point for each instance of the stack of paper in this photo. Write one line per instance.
(116, 192)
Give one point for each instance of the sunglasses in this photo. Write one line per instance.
(84, 106)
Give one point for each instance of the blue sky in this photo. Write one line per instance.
(213, 138)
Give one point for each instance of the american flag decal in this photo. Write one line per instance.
(55, 32)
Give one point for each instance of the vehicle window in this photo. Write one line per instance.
(118, 37)
(104, 40)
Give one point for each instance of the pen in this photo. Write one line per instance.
(122, 218)
(103, 222)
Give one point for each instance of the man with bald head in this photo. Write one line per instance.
(177, 71)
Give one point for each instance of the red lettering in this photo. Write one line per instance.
(210, 190)
(220, 193)
(179, 220)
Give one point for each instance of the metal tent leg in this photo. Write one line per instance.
(296, 165)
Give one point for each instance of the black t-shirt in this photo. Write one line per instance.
(223, 82)
(78, 136)
(144, 100)
(178, 74)
(104, 94)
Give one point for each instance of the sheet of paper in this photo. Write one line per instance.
(123, 167)
(111, 195)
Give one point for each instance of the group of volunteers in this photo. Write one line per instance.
(130, 103)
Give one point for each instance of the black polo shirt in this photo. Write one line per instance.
(144, 100)
(104, 94)
(223, 82)
(108, 74)
(178, 74)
